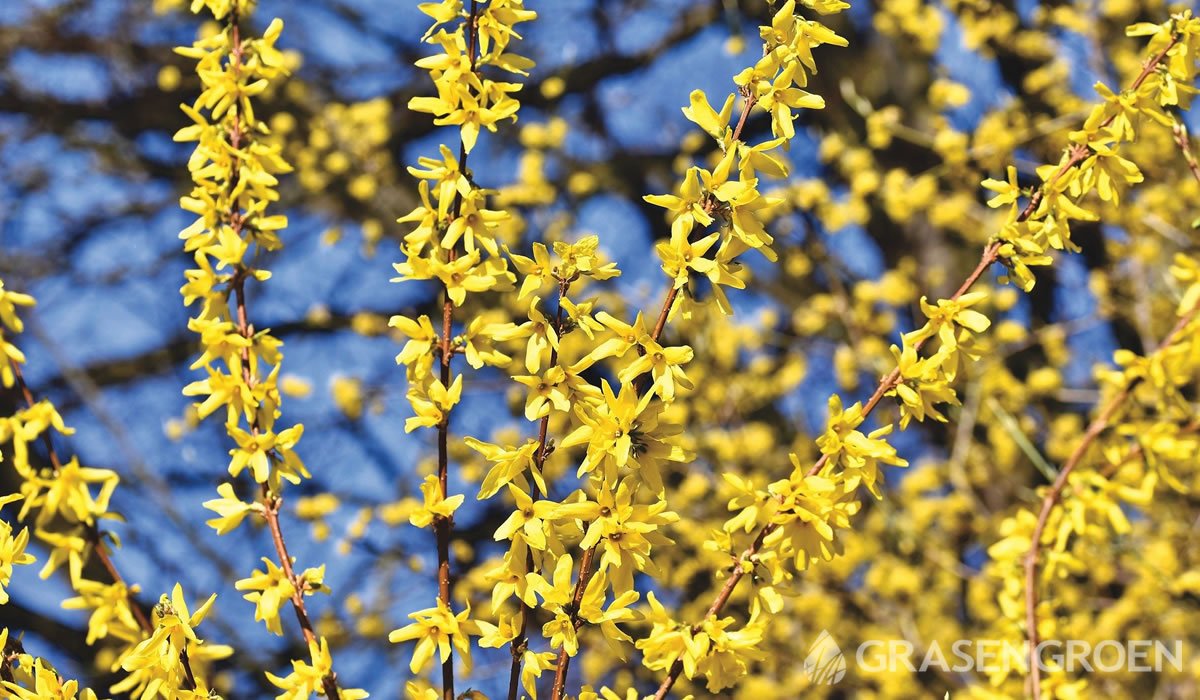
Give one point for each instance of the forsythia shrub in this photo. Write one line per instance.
(608, 575)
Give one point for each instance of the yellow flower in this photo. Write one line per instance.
(780, 98)
(67, 494)
(537, 271)
(432, 406)
(509, 464)
(269, 455)
(269, 590)
(922, 386)
(715, 124)
(687, 208)
(681, 256)
(111, 615)
(546, 391)
(12, 549)
(436, 505)
(229, 509)
(9, 300)
(665, 366)
(421, 336)
(527, 521)
(540, 332)
(1007, 191)
(159, 655)
(858, 454)
(44, 683)
(627, 336)
(810, 512)
(437, 629)
(624, 430)
(945, 314)
(667, 641)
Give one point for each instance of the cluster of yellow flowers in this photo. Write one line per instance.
(605, 392)
(234, 168)
(64, 503)
(1086, 501)
(454, 241)
(796, 519)
(1104, 477)
(1092, 162)
(618, 517)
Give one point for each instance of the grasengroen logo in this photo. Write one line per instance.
(825, 663)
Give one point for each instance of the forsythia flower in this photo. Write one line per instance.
(433, 405)
(230, 510)
(44, 682)
(269, 591)
(12, 549)
(436, 629)
(436, 504)
(156, 661)
(10, 355)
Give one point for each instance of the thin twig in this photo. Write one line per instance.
(1185, 147)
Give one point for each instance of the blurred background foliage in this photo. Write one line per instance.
(883, 206)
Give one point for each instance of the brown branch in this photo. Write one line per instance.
(990, 254)
(564, 659)
(739, 570)
(1077, 154)
(273, 502)
(95, 538)
(1054, 495)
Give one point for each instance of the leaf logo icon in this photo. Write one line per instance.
(825, 664)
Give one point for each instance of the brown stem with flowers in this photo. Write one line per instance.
(271, 502)
(95, 537)
(521, 641)
(585, 564)
(443, 526)
(1077, 154)
(1054, 495)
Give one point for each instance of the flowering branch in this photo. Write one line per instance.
(94, 536)
(233, 170)
(1054, 494)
